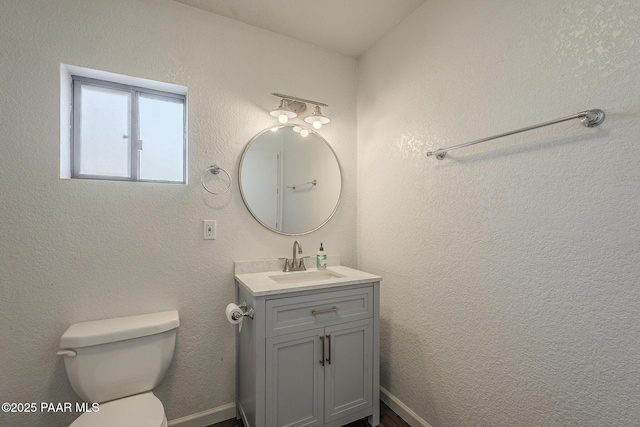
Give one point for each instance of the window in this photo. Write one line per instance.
(129, 133)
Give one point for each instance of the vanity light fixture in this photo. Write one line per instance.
(317, 119)
(291, 106)
(284, 112)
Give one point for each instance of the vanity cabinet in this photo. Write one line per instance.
(309, 358)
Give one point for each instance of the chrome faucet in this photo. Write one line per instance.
(295, 264)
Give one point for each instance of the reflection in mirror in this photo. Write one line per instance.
(290, 183)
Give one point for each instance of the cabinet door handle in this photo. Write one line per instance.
(322, 358)
(329, 339)
(326, 310)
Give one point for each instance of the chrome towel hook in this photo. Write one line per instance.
(215, 169)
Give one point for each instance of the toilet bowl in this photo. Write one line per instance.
(116, 363)
(142, 410)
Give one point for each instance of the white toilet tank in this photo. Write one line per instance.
(121, 356)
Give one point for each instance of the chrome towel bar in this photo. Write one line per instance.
(589, 118)
(312, 183)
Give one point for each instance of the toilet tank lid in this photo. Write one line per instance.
(118, 329)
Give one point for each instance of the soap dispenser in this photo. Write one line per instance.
(321, 259)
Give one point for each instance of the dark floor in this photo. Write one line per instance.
(388, 418)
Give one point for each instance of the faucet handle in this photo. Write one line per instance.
(286, 264)
(301, 264)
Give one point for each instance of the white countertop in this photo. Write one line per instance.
(260, 284)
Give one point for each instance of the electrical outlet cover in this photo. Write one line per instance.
(209, 230)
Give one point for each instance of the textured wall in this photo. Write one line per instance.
(74, 250)
(512, 268)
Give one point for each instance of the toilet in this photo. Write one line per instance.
(117, 363)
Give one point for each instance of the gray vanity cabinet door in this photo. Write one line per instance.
(348, 376)
(295, 380)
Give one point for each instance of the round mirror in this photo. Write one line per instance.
(290, 183)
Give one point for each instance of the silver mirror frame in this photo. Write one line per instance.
(311, 131)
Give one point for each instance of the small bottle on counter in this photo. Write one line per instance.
(321, 259)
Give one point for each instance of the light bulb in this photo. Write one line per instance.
(282, 118)
(317, 124)
(304, 132)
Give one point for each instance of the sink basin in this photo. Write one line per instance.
(268, 280)
(305, 276)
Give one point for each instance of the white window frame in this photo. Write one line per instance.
(72, 76)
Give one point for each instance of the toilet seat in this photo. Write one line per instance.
(141, 410)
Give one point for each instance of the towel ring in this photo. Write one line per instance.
(215, 169)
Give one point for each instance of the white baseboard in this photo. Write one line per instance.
(401, 409)
(206, 418)
(226, 412)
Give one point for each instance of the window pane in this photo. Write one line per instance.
(162, 135)
(105, 132)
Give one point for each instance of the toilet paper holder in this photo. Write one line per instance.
(245, 312)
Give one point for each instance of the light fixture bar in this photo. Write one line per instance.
(295, 98)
